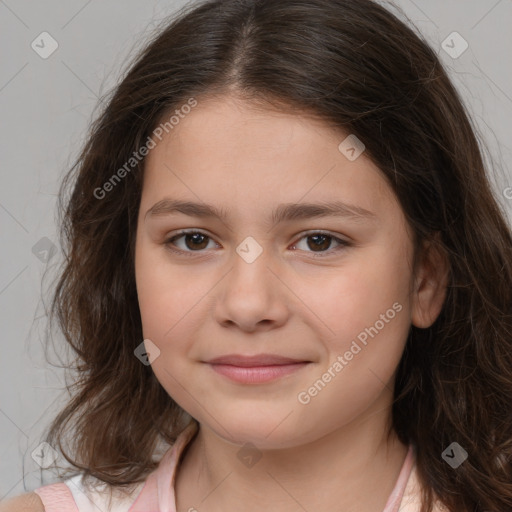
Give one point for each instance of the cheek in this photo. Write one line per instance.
(362, 291)
(362, 359)
(166, 294)
(169, 306)
(173, 303)
(367, 306)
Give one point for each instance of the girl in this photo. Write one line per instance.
(288, 282)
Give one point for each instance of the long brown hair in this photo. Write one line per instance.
(356, 66)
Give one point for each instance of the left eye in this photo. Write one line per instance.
(322, 241)
(195, 241)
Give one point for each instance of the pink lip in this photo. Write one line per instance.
(255, 369)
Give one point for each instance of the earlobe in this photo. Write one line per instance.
(430, 284)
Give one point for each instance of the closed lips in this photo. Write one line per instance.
(254, 361)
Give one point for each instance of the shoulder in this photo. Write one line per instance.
(29, 502)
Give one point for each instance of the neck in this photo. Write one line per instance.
(354, 467)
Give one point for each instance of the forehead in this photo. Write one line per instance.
(228, 151)
(247, 127)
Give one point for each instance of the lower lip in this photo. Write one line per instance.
(256, 374)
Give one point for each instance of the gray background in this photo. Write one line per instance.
(47, 105)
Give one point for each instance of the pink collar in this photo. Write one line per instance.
(157, 495)
(158, 491)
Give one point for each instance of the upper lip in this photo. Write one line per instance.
(257, 360)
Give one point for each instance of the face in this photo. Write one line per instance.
(272, 274)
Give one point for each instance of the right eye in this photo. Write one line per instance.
(193, 241)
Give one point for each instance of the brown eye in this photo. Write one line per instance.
(194, 241)
(321, 243)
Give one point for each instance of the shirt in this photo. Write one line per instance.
(157, 493)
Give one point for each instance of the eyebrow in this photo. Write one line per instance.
(283, 212)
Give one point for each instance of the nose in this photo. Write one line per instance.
(251, 297)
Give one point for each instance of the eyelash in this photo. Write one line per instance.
(343, 243)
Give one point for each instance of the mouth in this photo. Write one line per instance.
(255, 369)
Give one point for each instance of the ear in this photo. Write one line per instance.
(430, 282)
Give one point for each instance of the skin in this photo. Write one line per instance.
(207, 302)
(29, 502)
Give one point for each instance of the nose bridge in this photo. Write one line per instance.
(250, 268)
(251, 293)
